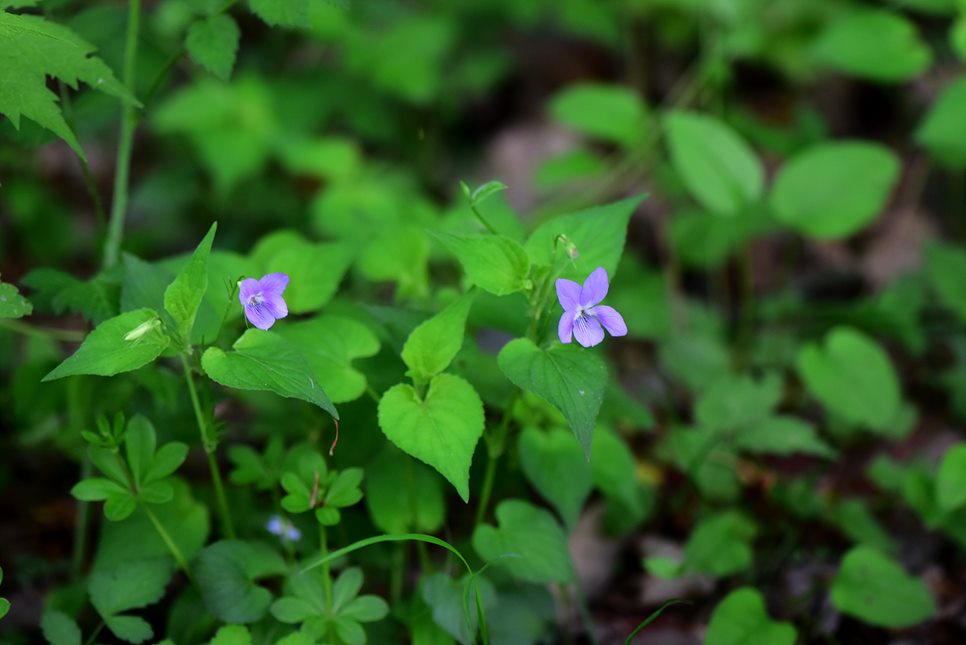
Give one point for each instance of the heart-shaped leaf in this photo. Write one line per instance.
(226, 572)
(741, 619)
(557, 468)
(441, 429)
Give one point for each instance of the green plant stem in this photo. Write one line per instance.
(115, 226)
(326, 574)
(94, 634)
(485, 222)
(210, 445)
(397, 574)
(168, 541)
(495, 448)
(43, 332)
(83, 518)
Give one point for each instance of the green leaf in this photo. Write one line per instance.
(854, 519)
(615, 471)
(166, 460)
(314, 270)
(212, 42)
(262, 360)
(495, 263)
(945, 266)
(141, 442)
(951, 480)
(832, 190)
(741, 619)
(4, 607)
(875, 44)
(12, 304)
(402, 495)
(853, 378)
(720, 545)
(598, 234)
(284, 13)
(609, 112)
(736, 402)
(31, 49)
(528, 543)
(121, 344)
(449, 601)
(556, 466)
(943, 131)
(227, 570)
(232, 635)
(571, 379)
(129, 585)
(441, 429)
(329, 344)
(433, 345)
(59, 628)
(94, 299)
(483, 191)
(718, 167)
(782, 435)
(875, 589)
(96, 489)
(183, 296)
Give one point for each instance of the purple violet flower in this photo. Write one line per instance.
(583, 317)
(262, 299)
(283, 529)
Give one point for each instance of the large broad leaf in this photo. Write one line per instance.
(329, 344)
(721, 544)
(528, 543)
(945, 266)
(212, 42)
(183, 296)
(852, 377)
(737, 402)
(608, 112)
(951, 480)
(12, 304)
(571, 379)
(262, 360)
(226, 573)
(834, 189)
(557, 468)
(440, 429)
(875, 44)
(495, 263)
(741, 619)
(615, 472)
(598, 234)
(875, 589)
(121, 344)
(31, 49)
(433, 345)
(403, 495)
(943, 131)
(130, 585)
(718, 167)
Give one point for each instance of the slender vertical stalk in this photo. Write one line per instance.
(326, 574)
(115, 226)
(83, 519)
(168, 541)
(210, 446)
(495, 447)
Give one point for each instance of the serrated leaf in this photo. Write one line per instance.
(718, 167)
(184, 295)
(433, 345)
(12, 304)
(232, 635)
(571, 379)
(33, 48)
(528, 543)
(121, 344)
(875, 589)
(598, 234)
(285, 13)
(495, 263)
(130, 585)
(227, 571)
(440, 429)
(212, 42)
(262, 360)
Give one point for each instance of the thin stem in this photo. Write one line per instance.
(166, 538)
(210, 445)
(326, 574)
(495, 448)
(94, 634)
(83, 518)
(115, 227)
(27, 329)
(485, 222)
(397, 573)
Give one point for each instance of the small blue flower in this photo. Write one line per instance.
(263, 300)
(283, 529)
(584, 318)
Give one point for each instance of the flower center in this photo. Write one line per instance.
(583, 312)
(256, 300)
